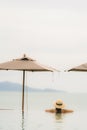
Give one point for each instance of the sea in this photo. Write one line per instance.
(35, 117)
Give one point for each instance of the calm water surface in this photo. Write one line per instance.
(35, 118)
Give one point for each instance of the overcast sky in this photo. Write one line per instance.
(53, 32)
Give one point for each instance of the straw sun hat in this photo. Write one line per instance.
(59, 104)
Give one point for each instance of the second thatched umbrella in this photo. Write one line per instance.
(24, 64)
(82, 67)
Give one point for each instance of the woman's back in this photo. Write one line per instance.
(58, 110)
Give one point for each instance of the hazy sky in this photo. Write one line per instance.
(53, 32)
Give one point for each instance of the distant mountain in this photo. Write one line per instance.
(10, 86)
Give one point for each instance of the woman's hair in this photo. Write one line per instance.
(58, 110)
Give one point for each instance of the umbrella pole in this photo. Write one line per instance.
(23, 91)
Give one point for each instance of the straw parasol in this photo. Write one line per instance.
(24, 64)
(82, 67)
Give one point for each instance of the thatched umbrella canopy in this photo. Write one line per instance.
(24, 64)
(82, 67)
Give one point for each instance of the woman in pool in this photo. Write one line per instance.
(59, 108)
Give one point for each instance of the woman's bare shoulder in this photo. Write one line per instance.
(67, 111)
(50, 110)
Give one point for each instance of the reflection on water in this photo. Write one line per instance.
(59, 121)
(59, 117)
(22, 120)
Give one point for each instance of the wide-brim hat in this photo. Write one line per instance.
(59, 104)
